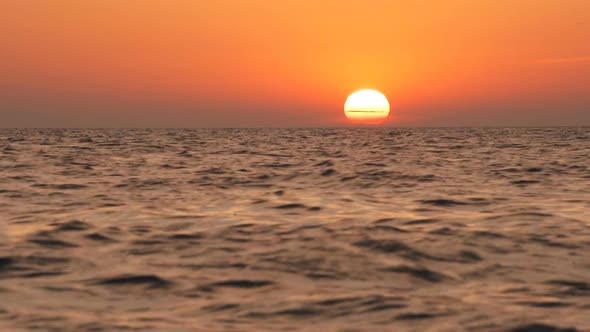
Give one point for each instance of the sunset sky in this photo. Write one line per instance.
(289, 63)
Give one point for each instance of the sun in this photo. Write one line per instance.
(366, 107)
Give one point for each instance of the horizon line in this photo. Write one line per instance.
(356, 126)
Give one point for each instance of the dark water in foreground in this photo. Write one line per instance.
(311, 229)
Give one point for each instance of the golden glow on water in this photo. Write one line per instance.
(366, 106)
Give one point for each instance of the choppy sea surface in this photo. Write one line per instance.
(295, 229)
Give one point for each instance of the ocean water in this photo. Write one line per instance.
(295, 230)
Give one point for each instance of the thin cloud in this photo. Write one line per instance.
(580, 59)
(354, 111)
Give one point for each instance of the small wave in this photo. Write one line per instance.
(242, 283)
(442, 202)
(535, 327)
(145, 280)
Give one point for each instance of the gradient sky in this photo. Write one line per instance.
(257, 63)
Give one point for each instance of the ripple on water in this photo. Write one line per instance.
(149, 281)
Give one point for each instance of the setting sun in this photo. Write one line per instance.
(367, 107)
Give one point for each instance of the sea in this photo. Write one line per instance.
(337, 229)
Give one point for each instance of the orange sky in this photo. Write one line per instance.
(234, 63)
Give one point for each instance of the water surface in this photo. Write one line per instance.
(295, 229)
